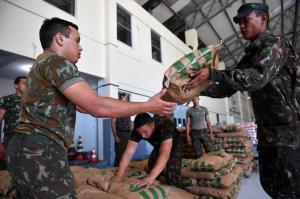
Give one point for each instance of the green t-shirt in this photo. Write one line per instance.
(45, 110)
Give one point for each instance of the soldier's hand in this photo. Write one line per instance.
(189, 140)
(160, 107)
(148, 181)
(198, 77)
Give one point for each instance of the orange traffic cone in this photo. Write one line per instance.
(93, 158)
(79, 155)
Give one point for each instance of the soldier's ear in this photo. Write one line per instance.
(59, 39)
(264, 17)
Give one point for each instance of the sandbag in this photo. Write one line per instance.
(88, 192)
(179, 73)
(246, 160)
(187, 173)
(227, 193)
(127, 191)
(210, 162)
(223, 181)
(240, 133)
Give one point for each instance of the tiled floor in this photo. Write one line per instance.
(251, 188)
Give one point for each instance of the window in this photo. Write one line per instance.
(175, 121)
(65, 5)
(155, 42)
(183, 123)
(123, 26)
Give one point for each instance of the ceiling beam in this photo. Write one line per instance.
(282, 17)
(150, 5)
(231, 24)
(217, 34)
(296, 18)
(213, 15)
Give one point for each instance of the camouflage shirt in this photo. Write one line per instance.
(270, 72)
(45, 110)
(11, 105)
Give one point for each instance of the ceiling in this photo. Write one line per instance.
(213, 21)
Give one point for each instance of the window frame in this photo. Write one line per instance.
(124, 27)
(154, 35)
(72, 6)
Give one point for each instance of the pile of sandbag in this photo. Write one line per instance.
(94, 183)
(217, 175)
(237, 142)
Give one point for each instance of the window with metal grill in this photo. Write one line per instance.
(155, 43)
(124, 26)
(65, 5)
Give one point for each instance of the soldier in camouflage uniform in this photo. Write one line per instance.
(9, 112)
(37, 154)
(270, 72)
(10, 108)
(166, 156)
(197, 128)
(121, 128)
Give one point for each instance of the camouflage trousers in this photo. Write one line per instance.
(280, 175)
(172, 171)
(201, 137)
(39, 168)
(7, 138)
(120, 147)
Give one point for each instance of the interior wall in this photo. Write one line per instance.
(23, 28)
(6, 87)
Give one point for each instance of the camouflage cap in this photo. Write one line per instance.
(247, 8)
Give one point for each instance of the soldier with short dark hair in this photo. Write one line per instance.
(270, 71)
(10, 108)
(9, 112)
(37, 154)
(166, 156)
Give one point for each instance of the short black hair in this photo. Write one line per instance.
(142, 119)
(18, 79)
(51, 27)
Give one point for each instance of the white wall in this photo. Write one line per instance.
(120, 66)
(22, 21)
(7, 87)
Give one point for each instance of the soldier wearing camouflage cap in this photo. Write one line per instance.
(270, 71)
(36, 156)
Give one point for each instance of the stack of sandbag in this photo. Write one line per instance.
(187, 149)
(94, 183)
(217, 175)
(236, 141)
(251, 128)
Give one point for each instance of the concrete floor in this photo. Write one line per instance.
(251, 188)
